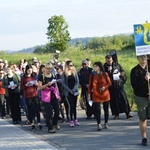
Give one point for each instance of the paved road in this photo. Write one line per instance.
(123, 134)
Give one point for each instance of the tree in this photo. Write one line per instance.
(58, 33)
(38, 49)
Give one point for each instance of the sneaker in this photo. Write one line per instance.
(33, 127)
(76, 122)
(99, 127)
(52, 131)
(57, 127)
(116, 117)
(106, 126)
(71, 124)
(129, 116)
(144, 142)
(27, 122)
(40, 127)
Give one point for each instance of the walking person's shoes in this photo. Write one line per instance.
(33, 127)
(52, 130)
(57, 127)
(106, 126)
(116, 117)
(76, 122)
(27, 122)
(144, 142)
(129, 116)
(71, 123)
(3, 117)
(99, 127)
(40, 127)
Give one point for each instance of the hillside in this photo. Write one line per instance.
(31, 49)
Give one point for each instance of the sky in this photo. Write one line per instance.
(23, 23)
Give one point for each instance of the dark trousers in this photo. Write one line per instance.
(51, 119)
(2, 105)
(73, 104)
(61, 107)
(88, 108)
(33, 108)
(97, 111)
(7, 105)
(14, 99)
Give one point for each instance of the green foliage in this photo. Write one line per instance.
(58, 33)
(126, 58)
(38, 50)
(117, 42)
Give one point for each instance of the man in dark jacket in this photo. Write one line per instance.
(84, 74)
(119, 102)
(140, 75)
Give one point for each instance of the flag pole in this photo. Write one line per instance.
(148, 72)
(148, 78)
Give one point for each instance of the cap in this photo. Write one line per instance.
(52, 61)
(5, 61)
(60, 67)
(24, 66)
(35, 60)
(84, 61)
(1, 60)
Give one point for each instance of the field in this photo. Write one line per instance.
(126, 58)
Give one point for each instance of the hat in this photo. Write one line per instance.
(60, 67)
(5, 61)
(52, 61)
(1, 60)
(35, 60)
(84, 61)
(24, 66)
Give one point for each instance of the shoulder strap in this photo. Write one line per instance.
(43, 78)
(92, 76)
(104, 75)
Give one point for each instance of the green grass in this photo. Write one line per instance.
(126, 58)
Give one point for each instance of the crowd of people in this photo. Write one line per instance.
(53, 89)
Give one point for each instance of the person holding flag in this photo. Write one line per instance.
(140, 77)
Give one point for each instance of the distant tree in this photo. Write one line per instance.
(79, 44)
(38, 50)
(58, 33)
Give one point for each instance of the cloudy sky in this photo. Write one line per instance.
(23, 23)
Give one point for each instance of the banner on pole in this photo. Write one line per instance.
(142, 38)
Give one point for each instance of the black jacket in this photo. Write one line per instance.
(138, 81)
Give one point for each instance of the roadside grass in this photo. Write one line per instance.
(126, 58)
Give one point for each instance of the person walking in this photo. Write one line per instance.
(119, 102)
(71, 83)
(29, 86)
(50, 97)
(2, 95)
(84, 75)
(11, 83)
(63, 103)
(140, 77)
(98, 92)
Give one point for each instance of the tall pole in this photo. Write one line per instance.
(148, 78)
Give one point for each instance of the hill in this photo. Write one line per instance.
(31, 49)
